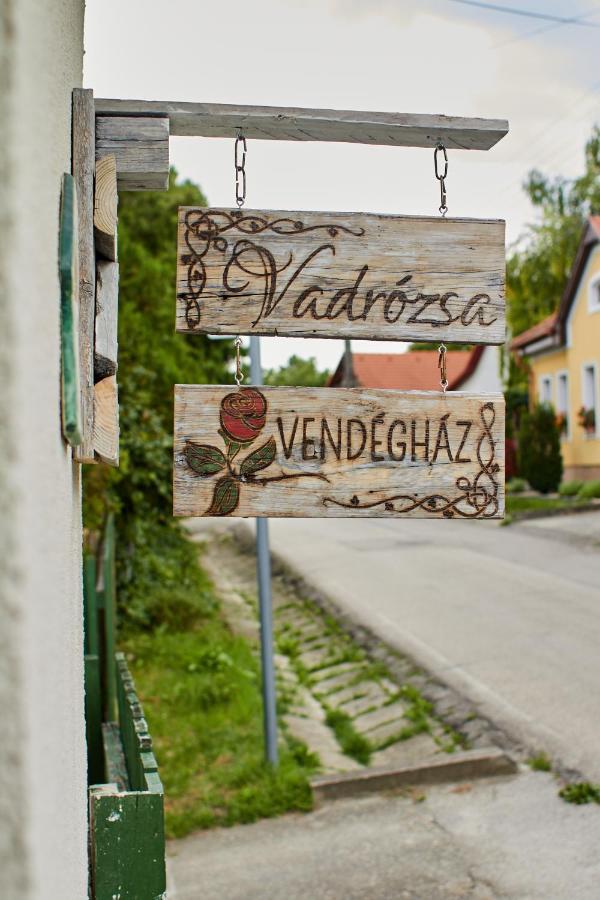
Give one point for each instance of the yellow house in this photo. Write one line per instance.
(564, 356)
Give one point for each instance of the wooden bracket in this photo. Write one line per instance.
(140, 145)
(274, 123)
(83, 164)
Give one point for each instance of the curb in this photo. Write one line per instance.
(468, 765)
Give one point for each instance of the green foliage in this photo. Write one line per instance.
(516, 506)
(200, 687)
(590, 490)
(541, 762)
(516, 486)
(538, 269)
(297, 372)
(539, 449)
(581, 792)
(152, 358)
(570, 488)
(352, 743)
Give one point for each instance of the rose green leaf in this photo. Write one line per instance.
(225, 497)
(259, 458)
(204, 459)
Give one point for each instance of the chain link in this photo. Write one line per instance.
(240, 168)
(442, 366)
(439, 147)
(239, 375)
(240, 198)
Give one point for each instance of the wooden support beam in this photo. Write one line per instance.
(140, 145)
(273, 123)
(83, 164)
(107, 302)
(106, 420)
(105, 207)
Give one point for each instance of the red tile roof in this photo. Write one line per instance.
(543, 329)
(416, 370)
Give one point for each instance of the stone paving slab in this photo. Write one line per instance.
(369, 721)
(332, 683)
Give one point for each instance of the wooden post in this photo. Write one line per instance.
(84, 163)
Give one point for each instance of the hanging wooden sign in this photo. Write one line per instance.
(307, 274)
(331, 452)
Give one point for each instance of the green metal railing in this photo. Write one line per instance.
(127, 839)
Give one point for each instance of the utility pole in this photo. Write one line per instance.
(265, 605)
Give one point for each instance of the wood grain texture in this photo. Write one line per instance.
(106, 420)
(275, 123)
(83, 166)
(105, 207)
(107, 306)
(140, 146)
(337, 452)
(355, 275)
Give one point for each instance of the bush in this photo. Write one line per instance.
(570, 488)
(539, 449)
(589, 490)
(516, 486)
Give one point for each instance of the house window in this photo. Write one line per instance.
(589, 412)
(546, 390)
(594, 295)
(562, 404)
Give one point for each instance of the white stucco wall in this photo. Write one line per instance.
(486, 376)
(43, 825)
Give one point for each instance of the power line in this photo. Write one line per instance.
(547, 17)
(543, 29)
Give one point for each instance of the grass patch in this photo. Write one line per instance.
(541, 762)
(200, 688)
(516, 505)
(352, 743)
(580, 793)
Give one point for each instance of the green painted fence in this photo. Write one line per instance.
(126, 812)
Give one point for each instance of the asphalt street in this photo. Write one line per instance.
(508, 616)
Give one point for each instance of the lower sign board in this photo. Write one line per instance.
(354, 275)
(332, 452)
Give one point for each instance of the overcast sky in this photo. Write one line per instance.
(425, 56)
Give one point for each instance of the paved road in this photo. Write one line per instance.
(508, 616)
(503, 839)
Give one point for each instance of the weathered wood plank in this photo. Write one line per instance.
(140, 146)
(106, 420)
(296, 124)
(105, 207)
(107, 309)
(83, 166)
(331, 452)
(354, 275)
(127, 842)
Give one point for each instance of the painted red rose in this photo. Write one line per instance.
(243, 415)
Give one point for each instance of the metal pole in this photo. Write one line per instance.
(263, 571)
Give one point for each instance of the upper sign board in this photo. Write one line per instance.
(353, 275)
(331, 452)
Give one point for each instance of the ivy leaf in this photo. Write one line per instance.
(259, 459)
(225, 498)
(204, 459)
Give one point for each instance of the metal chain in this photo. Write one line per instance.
(239, 375)
(442, 366)
(239, 159)
(240, 168)
(439, 147)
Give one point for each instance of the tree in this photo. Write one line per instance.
(296, 372)
(538, 268)
(540, 460)
(154, 560)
